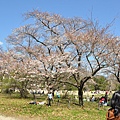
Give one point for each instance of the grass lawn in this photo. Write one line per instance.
(20, 108)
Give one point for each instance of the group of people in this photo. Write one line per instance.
(49, 99)
(114, 112)
(102, 100)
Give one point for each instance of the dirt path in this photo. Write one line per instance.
(2, 117)
(6, 118)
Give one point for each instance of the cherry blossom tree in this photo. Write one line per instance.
(64, 48)
(114, 59)
(18, 68)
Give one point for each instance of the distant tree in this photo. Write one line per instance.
(20, 69)
(101, 83)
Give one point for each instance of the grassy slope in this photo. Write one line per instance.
(21, 109)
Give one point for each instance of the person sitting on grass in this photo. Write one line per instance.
(33, 102)
(38, 103)
(92, 98)
(41, 103)
(102, 101)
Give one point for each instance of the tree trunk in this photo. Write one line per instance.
(80, 96)
(21, 93)
(80, 89)
(34, 97)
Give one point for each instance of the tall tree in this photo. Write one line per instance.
(68, 47)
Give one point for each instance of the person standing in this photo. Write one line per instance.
(50, 97)
(106, 97)
(58, 96)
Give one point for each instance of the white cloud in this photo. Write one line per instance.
(1, 43)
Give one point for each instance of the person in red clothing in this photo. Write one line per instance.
(102, 101)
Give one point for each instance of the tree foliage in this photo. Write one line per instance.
(58, 49)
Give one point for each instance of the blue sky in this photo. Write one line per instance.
(102, 10)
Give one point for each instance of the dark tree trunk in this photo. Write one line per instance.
(80, 90)
(80, 96)
(34, 97)
(23, 93)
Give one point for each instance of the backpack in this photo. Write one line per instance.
(115, 103)
(114, 112)
(110, 115)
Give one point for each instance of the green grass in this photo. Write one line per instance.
(10, 106)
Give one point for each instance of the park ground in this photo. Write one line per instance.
(20, 109)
